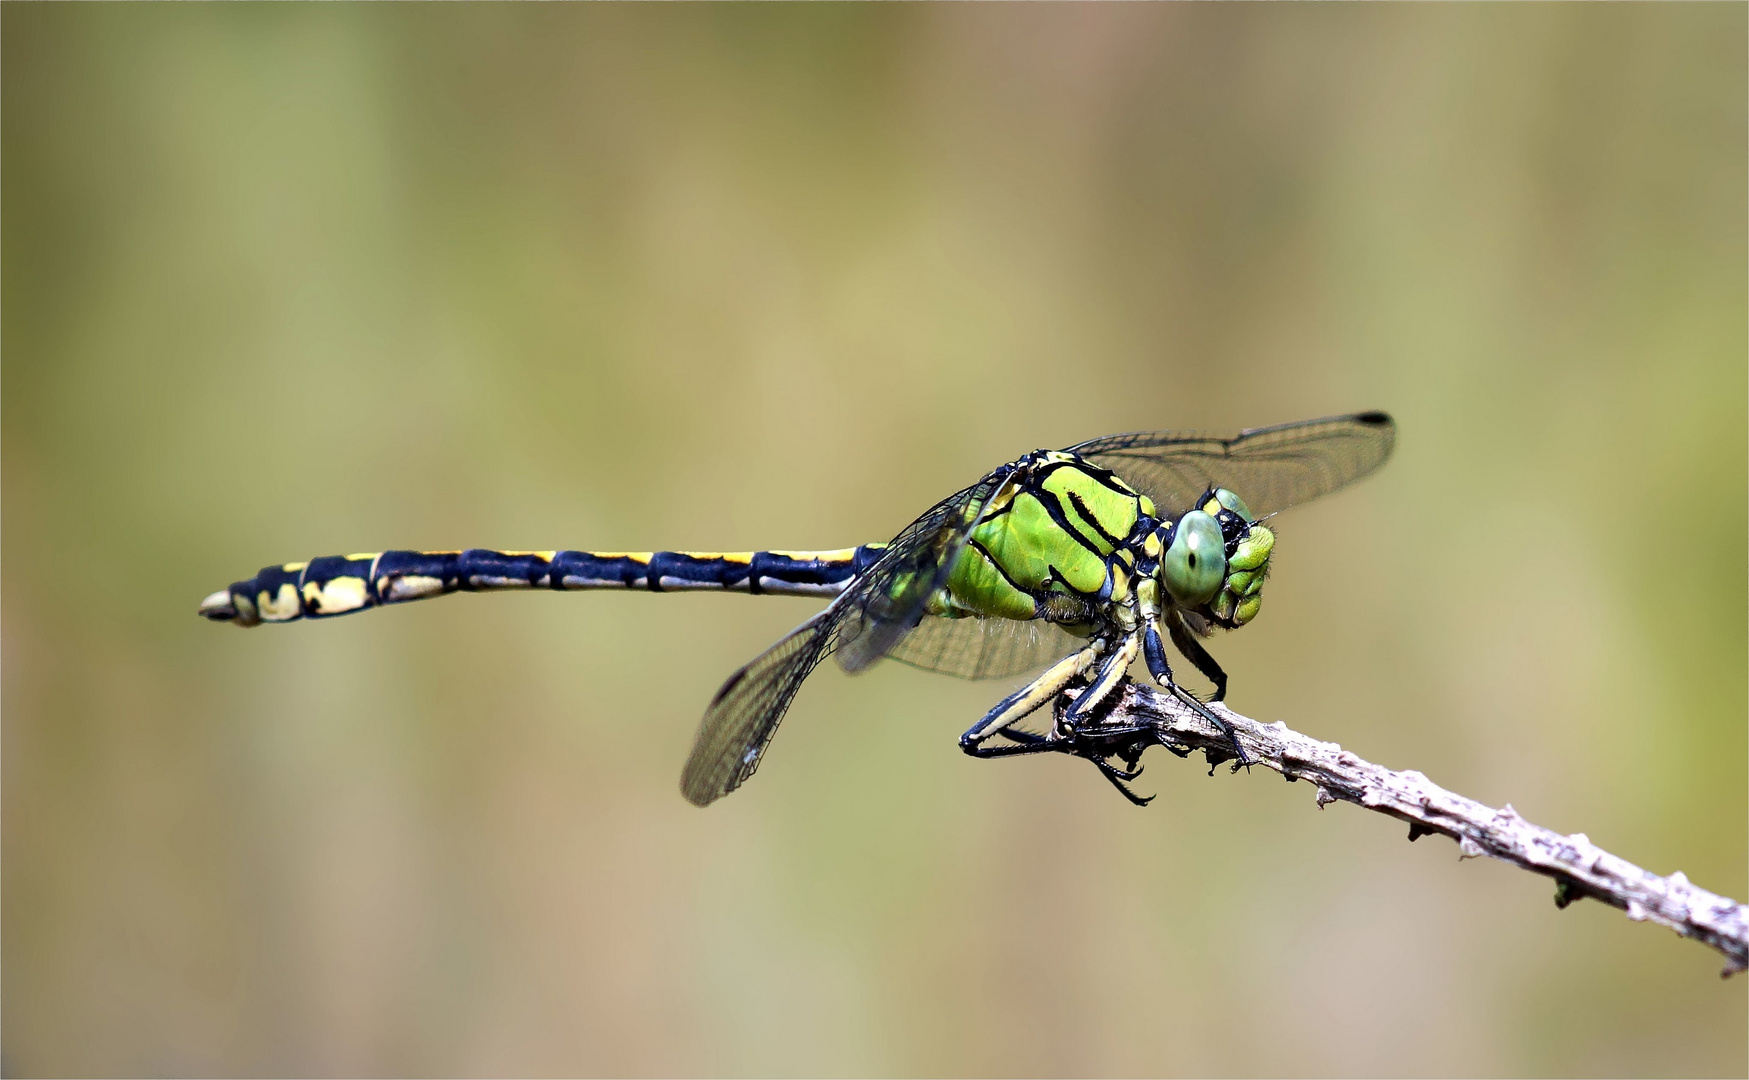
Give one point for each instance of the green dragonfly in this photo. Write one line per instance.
(1083, 559)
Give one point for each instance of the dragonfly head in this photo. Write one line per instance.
(1216, 559)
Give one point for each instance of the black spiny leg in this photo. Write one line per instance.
(1091, 741)
(1021, 744)
(1075, 732)
(1186, 643)
(1117, 777)
(1155, 654)
(1029, 743)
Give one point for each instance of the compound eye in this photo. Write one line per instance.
(1196, 563)
(1234, 503)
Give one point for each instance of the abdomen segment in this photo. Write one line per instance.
(342, 584)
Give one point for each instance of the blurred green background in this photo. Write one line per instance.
(282, 281)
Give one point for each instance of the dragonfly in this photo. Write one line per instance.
(1078, 561)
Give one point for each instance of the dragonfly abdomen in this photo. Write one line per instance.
(342, 584)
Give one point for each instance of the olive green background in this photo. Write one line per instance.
(282, 281)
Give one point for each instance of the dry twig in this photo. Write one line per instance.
(1579, 867)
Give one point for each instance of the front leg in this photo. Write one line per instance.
(1162, 673)
(1186, 643)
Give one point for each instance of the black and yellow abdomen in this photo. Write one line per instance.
(342, 584)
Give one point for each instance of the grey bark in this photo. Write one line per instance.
(1579, 867)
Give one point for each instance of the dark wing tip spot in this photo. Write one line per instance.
(1374, 419)
(733, 681)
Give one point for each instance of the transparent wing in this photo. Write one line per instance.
(984, 648)
(1271, 468)
(886, 602)
(863, 624)
(744, 715)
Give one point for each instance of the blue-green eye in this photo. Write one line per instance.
(1196, 563)
(1233, 502)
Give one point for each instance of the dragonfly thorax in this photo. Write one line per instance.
(1051, 544)
(1065, 540)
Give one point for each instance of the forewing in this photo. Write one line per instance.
(1271, 468)
(744, 715)
(863, 624)
(973, 648)
(886, 602)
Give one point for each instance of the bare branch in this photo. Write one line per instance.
(1579, 867)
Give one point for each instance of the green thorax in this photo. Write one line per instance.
(1046, 542)
(1063, 539)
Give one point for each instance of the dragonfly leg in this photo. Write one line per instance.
(1093, 742)
(1193, 651)
(1155, 654)
(1025, 701)
(1025, 742)
(1130, 771)
(1111, 672)
(1097, 739)
(1075, 733)
(1117, 778)
(1097, 743)
(1028, 744)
